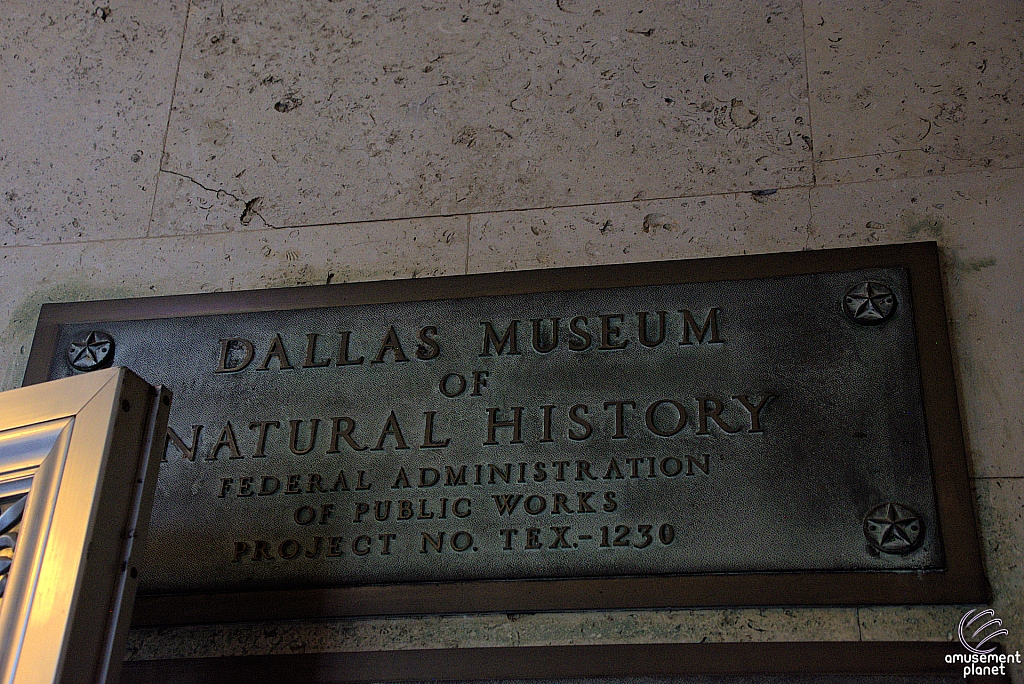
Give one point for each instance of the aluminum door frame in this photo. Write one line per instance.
(77, 454)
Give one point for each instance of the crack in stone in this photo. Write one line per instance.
(252, 207)
(873, 154)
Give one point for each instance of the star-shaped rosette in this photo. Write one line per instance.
(91, 351)
(869, 303)
(894, 528)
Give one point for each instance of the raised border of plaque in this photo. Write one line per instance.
(962, 581)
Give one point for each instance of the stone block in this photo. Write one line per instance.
(716, 225)
(914, 89)
(312, 107)
(85, 91)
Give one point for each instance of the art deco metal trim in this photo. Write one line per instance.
(76, 486)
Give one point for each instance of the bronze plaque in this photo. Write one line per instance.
(661, 425)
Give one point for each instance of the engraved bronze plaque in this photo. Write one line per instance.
(723, 431)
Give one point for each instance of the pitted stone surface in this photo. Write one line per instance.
(312, 106)
(914, 89)
(1001, 523)
(481, 631)
(84, 93)
(716, 225)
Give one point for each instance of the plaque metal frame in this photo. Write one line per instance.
(962, 581)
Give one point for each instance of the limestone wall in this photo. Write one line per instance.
(151, 148)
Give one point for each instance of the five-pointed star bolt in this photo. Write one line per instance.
(90, 351)
(893, 528)
(869, 303)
